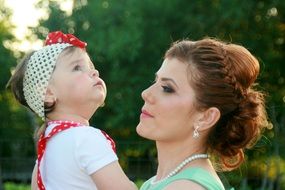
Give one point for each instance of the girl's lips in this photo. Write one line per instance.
(144, 113)
(98, 83)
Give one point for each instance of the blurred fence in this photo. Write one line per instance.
(17, 160)
(16, 165)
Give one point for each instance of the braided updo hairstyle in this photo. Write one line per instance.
(222, 76)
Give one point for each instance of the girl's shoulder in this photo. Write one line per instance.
(88, 132)
(82, 132)
(87, 129)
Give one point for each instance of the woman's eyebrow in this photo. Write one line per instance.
(166, 79)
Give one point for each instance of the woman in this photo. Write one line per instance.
(201, 104)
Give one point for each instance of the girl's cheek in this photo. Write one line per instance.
(81, 77)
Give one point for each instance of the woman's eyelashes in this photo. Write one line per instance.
(167, 89)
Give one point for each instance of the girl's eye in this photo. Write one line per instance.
(77, 68)
(167, 89)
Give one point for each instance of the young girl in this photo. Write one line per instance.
(60, 84)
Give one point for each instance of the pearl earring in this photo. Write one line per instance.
(196, 132)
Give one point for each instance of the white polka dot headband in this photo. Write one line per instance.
(40, 68)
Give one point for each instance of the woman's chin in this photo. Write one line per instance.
(142, 132)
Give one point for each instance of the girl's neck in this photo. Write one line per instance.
(68, 117)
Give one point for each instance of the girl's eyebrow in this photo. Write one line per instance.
(81, 62)
(75, 62)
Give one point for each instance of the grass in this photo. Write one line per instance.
(14, 186)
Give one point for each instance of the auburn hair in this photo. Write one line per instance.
(223, 76)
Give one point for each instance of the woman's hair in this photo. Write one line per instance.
(16, 85)
(222, 76)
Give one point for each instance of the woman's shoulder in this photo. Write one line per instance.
(200, 176)
(184, 184)
(188, 178)
(196, 172)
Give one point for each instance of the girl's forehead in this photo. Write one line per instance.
(92, 66)
(74, 56)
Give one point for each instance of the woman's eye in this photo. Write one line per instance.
(167, 89)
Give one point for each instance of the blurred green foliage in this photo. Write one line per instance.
(13, 186)
(14, 119)
(127, 40)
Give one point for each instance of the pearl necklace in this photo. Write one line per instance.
(179, 167)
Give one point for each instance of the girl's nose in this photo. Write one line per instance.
(95, 73)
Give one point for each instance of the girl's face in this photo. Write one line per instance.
(76, 83)
(168, 113)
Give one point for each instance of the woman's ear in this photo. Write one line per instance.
(209, 118)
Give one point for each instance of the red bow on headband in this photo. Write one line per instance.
(59, 37)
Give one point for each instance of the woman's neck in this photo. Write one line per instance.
(170, 155)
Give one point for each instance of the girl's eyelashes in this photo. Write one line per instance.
(83, 68)
(167, 89)
(77, 68)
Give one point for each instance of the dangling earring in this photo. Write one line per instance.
(196, 132)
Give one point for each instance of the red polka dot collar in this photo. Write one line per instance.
(61, 126)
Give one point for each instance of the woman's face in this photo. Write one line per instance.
(168, 113)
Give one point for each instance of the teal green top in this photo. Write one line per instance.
(197, 175)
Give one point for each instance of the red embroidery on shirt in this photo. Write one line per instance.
(111, 141)
(62, 125)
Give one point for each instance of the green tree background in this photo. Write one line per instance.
(127, 40)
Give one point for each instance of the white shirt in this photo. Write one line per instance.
(71, 156)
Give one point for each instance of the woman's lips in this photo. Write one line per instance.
(145, 114)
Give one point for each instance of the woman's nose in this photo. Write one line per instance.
(147, 95)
